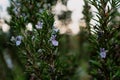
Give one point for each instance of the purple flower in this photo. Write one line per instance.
(39, 25)
(53, 37)
(18, 40)
(18, 43)
(54, 41)
(103, 53)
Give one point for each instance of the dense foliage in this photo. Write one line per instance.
(33, 49)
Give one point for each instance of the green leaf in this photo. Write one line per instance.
(95, 63)
(117, 74)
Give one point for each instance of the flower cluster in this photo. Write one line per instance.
(17, 40)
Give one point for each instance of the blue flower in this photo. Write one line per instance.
(53, 37)
(103, 53)
(54, 42)
(18, 43)
(18, 40)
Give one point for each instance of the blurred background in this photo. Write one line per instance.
(59, 40)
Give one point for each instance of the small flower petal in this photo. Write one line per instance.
(18, 43)
(103, 54)
(18, 38)
(54, 43)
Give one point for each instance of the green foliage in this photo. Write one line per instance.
(41, 53)
(105, 37)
